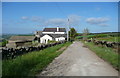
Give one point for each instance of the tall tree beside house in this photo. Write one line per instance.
(85, 33)
(72, 33)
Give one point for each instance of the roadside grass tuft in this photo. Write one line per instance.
(31, 63)
(108, 54)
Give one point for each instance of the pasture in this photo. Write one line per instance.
(111, 39)
(106, 37)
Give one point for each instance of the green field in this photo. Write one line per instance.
(31, 63)
(108, 54)
(105, 37)
(112, 39)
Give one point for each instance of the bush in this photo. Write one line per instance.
(4, 42)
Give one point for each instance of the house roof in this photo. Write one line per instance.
(56, 35)
(54, 30)
(22, 38)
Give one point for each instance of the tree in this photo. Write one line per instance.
(4, 42)
(85, 33)
(72, 33)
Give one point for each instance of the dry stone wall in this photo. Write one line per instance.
(11, 53)
(105, 43)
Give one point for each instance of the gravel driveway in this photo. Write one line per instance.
(77, 60)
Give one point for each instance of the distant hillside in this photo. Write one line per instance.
(7, 36)
(106, 33)
(109, 33)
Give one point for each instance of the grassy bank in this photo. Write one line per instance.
(31, 63)
(108, 54)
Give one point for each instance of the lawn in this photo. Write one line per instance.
(108, 54)
(32, 63)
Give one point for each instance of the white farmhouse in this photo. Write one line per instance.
(51, 34)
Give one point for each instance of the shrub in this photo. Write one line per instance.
(4, 42)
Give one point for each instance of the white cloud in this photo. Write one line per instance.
(24, 17)
(103, 24)
(98, 21)
(37, 19)
(74, 20)
(55, 21)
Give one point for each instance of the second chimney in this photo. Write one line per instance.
(57, 29)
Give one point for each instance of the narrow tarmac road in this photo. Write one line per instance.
(77, 60)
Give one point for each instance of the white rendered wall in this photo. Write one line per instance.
(60, 39)
(45, 39)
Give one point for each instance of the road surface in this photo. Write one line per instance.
(77, 60)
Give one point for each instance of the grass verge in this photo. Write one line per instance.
(108, 54)
(31, 63)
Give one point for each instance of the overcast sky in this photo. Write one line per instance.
(27, 17)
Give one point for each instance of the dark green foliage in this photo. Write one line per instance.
(3, 43)
(72, 33)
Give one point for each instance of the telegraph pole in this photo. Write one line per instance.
(68, 30)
